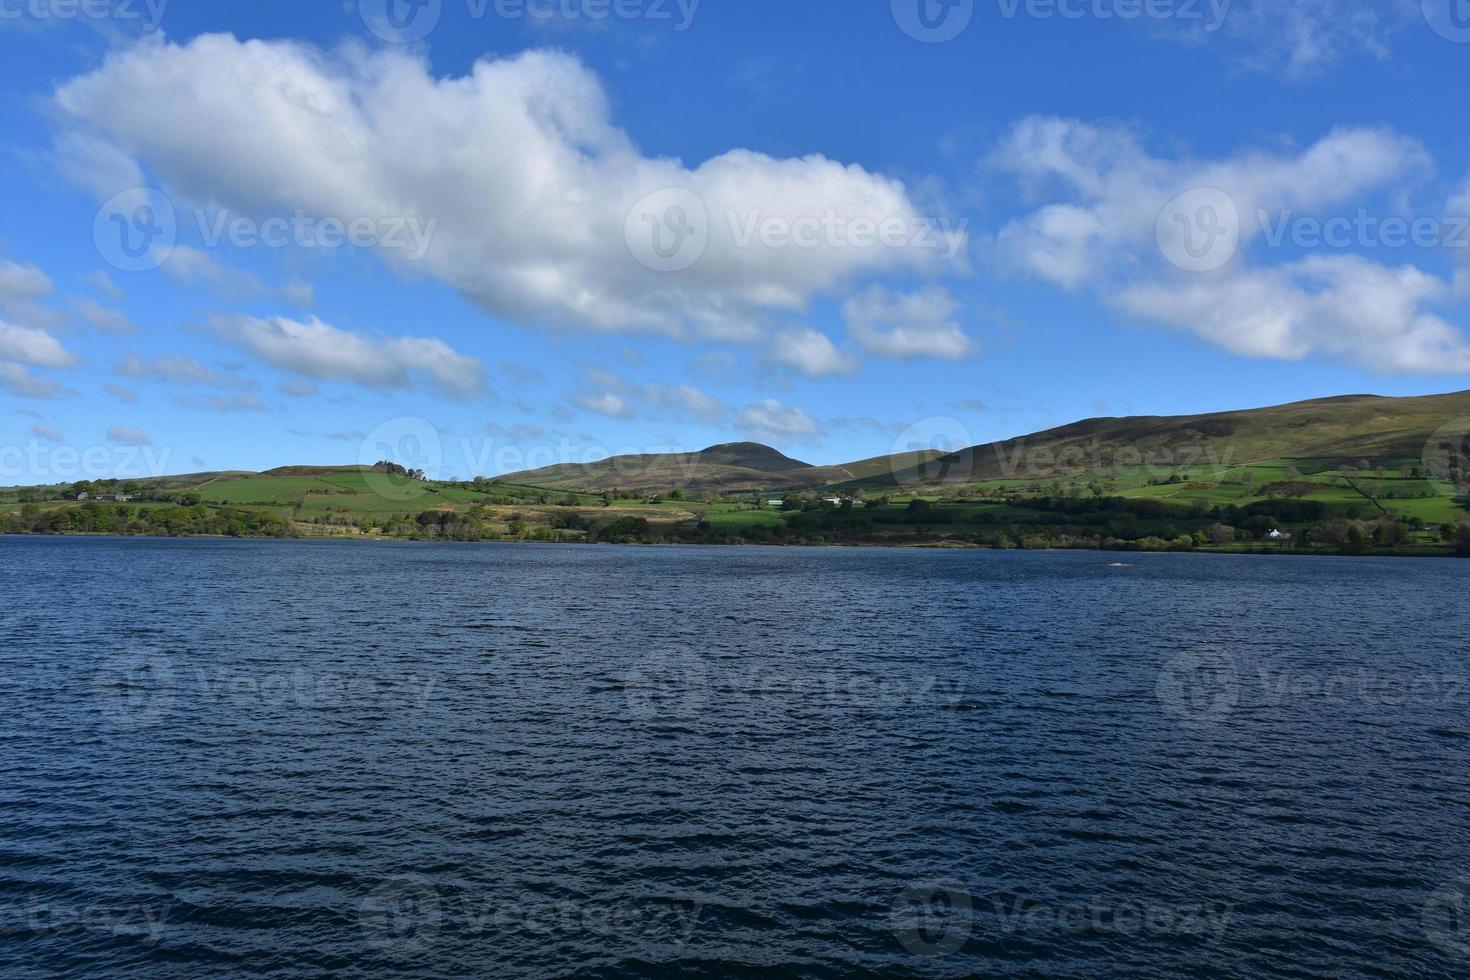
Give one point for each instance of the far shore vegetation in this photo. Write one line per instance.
(1281, 506)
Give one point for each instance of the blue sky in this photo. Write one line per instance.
(873, 234)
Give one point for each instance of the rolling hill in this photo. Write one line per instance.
(1325, 432)
(1321, 433)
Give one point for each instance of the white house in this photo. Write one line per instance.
(1275, 535)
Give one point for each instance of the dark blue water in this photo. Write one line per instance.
(298, 759)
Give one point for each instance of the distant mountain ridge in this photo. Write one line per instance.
(1372, 428)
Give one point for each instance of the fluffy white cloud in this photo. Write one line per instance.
(905, 325)
(605, 403)
(1116, 190)
(31, 345)
(518, 164)
(17, 380)
(189, 265)
(21, 287)
(241, 402)
(771, 420)
(612, 396)
(319, 350)
(682, 400)
(102, 317)
(811, 352)
(43, 431)
(176, 369)
(22, 281)
(125, 435)
(1104, 235)
(1306, 36)
(1343, 306)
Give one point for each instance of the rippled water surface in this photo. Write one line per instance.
(281, 759)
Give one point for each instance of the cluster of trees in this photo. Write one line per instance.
(99, 518)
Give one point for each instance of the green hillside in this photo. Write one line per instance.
(733, 466)
(1323, 434)
(1353, 475)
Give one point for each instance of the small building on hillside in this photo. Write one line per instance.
(1275, 535)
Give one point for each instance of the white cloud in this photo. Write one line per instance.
(30, 345)
(1104, 236)
(904, 325)
(125, 435)
(176, 369)
(771, 420)
(680, 400)
(43, 431)
(19, 282)
(102, 317)
(605, 403)
(20, 382)
(187, 265)
(297, 389)
(103, 283)
(240, 402)
(319, 350)
(1343, 306)
(1306, 36)
(21, 286)
(1116, 190)
(121, 392)
(519, 163)
(811, 352)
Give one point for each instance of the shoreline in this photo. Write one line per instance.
(866, 546)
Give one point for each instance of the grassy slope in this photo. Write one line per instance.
(1329, 431)
(1312, 439)
(735, 466)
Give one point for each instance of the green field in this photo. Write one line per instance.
(1233, 483)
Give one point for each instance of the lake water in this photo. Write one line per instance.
(281, 758)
